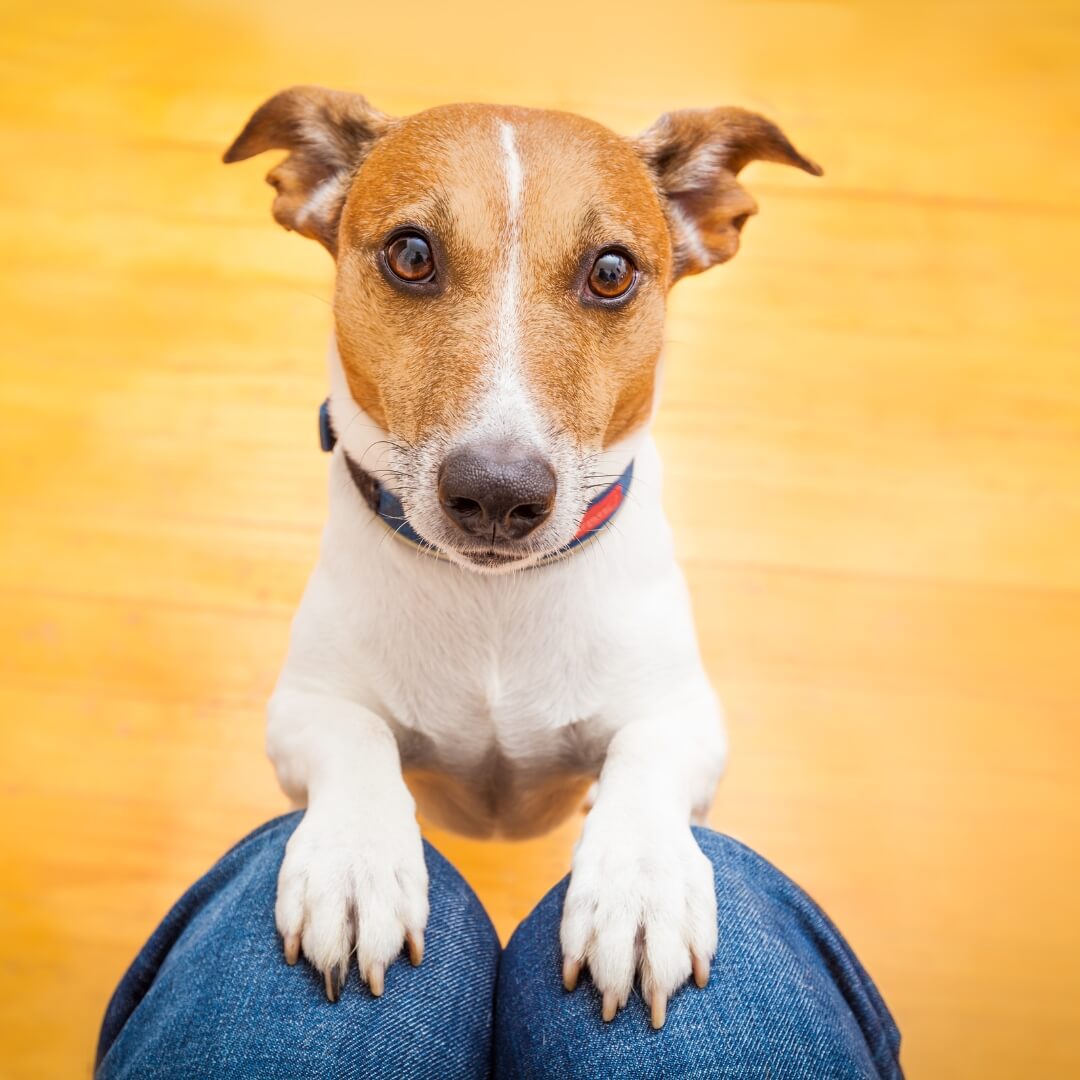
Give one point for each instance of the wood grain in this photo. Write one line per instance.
(871, 426)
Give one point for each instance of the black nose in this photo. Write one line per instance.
(496, 490)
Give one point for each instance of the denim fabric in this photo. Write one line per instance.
(786, 998)
(210, 995)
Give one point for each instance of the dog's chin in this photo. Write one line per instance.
(495, 562)
(489, 561)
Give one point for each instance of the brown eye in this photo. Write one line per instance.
(611, 275)
(409, 256)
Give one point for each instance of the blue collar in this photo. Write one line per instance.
(387, 506)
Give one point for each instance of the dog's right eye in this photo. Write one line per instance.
(409, 257)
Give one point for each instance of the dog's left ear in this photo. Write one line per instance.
(328, 134)
(694, 156)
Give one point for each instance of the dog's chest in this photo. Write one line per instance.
(494, 710)
(478, 696)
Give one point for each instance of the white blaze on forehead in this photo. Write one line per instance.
(507, 409)
(512, 164)
(507, 331)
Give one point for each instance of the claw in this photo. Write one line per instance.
(375, 980)
(416, 947)
(610, 1007)
(333, 984)
(659, 1010)
(292, 948)
(571, 969)
(701, 970)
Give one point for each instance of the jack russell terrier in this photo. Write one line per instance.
(496, 619)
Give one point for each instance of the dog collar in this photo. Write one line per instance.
(387, 506)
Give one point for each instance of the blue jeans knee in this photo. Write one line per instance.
(210, 995)
(786, 998)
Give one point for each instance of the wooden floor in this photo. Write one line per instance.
(871, 424)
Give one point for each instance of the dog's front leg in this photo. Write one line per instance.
(353, 877)
(641, 894)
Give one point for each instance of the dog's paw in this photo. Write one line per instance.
(351, 886)
(641, 900)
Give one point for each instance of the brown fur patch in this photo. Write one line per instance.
(412, 362)
(414, 358)
(327, 133)
(695, 156)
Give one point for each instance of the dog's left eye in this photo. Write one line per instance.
(409, 257)
(611, 275)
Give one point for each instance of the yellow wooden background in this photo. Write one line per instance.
(871, 425)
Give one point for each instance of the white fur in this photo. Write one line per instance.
(495, 701)
(690, 236)
(325, 197)
(506, 342)
(505, 407)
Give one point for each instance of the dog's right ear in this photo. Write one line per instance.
(328, 134)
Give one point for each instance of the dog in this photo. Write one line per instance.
(496, 622)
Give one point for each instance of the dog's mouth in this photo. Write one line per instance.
(497, 555)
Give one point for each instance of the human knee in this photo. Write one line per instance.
(785, 996)
(211, 994)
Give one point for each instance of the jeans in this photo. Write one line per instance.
(210, 994)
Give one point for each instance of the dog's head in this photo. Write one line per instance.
(500, 289)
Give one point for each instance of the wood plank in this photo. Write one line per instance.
(871, 425)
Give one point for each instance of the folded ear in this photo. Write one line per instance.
(694, 156)
(328, 134)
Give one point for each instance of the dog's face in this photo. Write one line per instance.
(500, 290)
